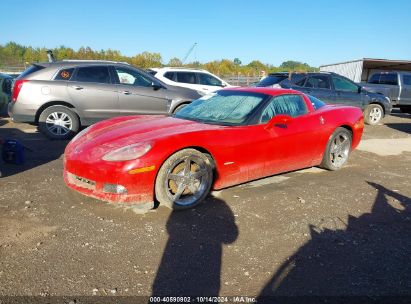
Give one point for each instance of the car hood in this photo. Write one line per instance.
(122, 131)
(174, 92)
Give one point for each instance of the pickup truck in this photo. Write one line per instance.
(395, 85)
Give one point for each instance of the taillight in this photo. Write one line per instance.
(18, 84)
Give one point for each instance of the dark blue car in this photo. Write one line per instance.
(334, 89)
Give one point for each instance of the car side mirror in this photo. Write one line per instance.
(156, 86)
(360, 89)
(280, 120)
(223, 85)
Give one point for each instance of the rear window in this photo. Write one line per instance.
(318, 82)
(316, 102)
(34, 68)
(271, 80)
(64, 74)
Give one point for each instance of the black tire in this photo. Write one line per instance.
(338, 150)
(184, 180)
(373, 114)
(67, 124)
(178, 108)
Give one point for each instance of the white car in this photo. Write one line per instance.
(200, 80)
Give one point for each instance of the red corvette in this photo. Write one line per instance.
(227, 138)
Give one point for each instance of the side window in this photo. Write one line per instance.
(206, 79)
(298, 79)
(389, 78)
(301, 82)
(406, 79)
(186, 77)
(64, 74)
(97, 74)
(292, 105)
(131, 77)
(375, 79)
(318, 82)
(341, 84)
(169, 75)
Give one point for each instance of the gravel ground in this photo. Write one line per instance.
(309, 232)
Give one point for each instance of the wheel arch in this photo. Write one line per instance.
(54, 103)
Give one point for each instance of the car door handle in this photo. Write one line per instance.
(75, 87)
(126, 92)
(322, 120)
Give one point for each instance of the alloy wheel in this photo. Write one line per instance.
(59, 123)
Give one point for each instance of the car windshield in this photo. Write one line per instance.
(223, 107)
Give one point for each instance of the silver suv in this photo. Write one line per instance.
(63, 96)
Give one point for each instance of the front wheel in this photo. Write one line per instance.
(337, 150)
(373, 114)
(184, 179)
(58, 122)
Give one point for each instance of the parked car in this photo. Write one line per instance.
(62, 96)
(200, 80)
(335, 89)
(223, 139)
(395, 85)
(5, 92)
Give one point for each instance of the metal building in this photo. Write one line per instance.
(361, 69)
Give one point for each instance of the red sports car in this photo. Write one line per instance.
(223, 139)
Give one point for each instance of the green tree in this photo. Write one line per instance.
(174, 62)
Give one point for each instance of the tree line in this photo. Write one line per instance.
(13, 54)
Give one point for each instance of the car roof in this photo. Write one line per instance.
(265, 90)
(71, 63)
(182, 69)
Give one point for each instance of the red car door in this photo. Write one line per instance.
(292, 143)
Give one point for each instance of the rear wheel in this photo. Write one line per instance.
(373, 114)
(337, 150)
(184, 179)
(58, 122)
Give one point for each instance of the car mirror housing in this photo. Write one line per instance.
(280, 120)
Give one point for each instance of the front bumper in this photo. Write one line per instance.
(98, 179)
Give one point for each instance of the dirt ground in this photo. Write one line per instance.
(310, 232)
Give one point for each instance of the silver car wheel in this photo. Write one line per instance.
(59, 123)
(187, 181)
(375, 115)
(340, 149)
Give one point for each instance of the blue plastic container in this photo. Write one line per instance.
(13, 152)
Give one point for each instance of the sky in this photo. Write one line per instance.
(316, 32)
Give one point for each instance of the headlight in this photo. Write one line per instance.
(128, 152)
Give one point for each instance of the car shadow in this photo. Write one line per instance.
(191, 262)
(402, 127)
(369, 258)
(38, 150)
